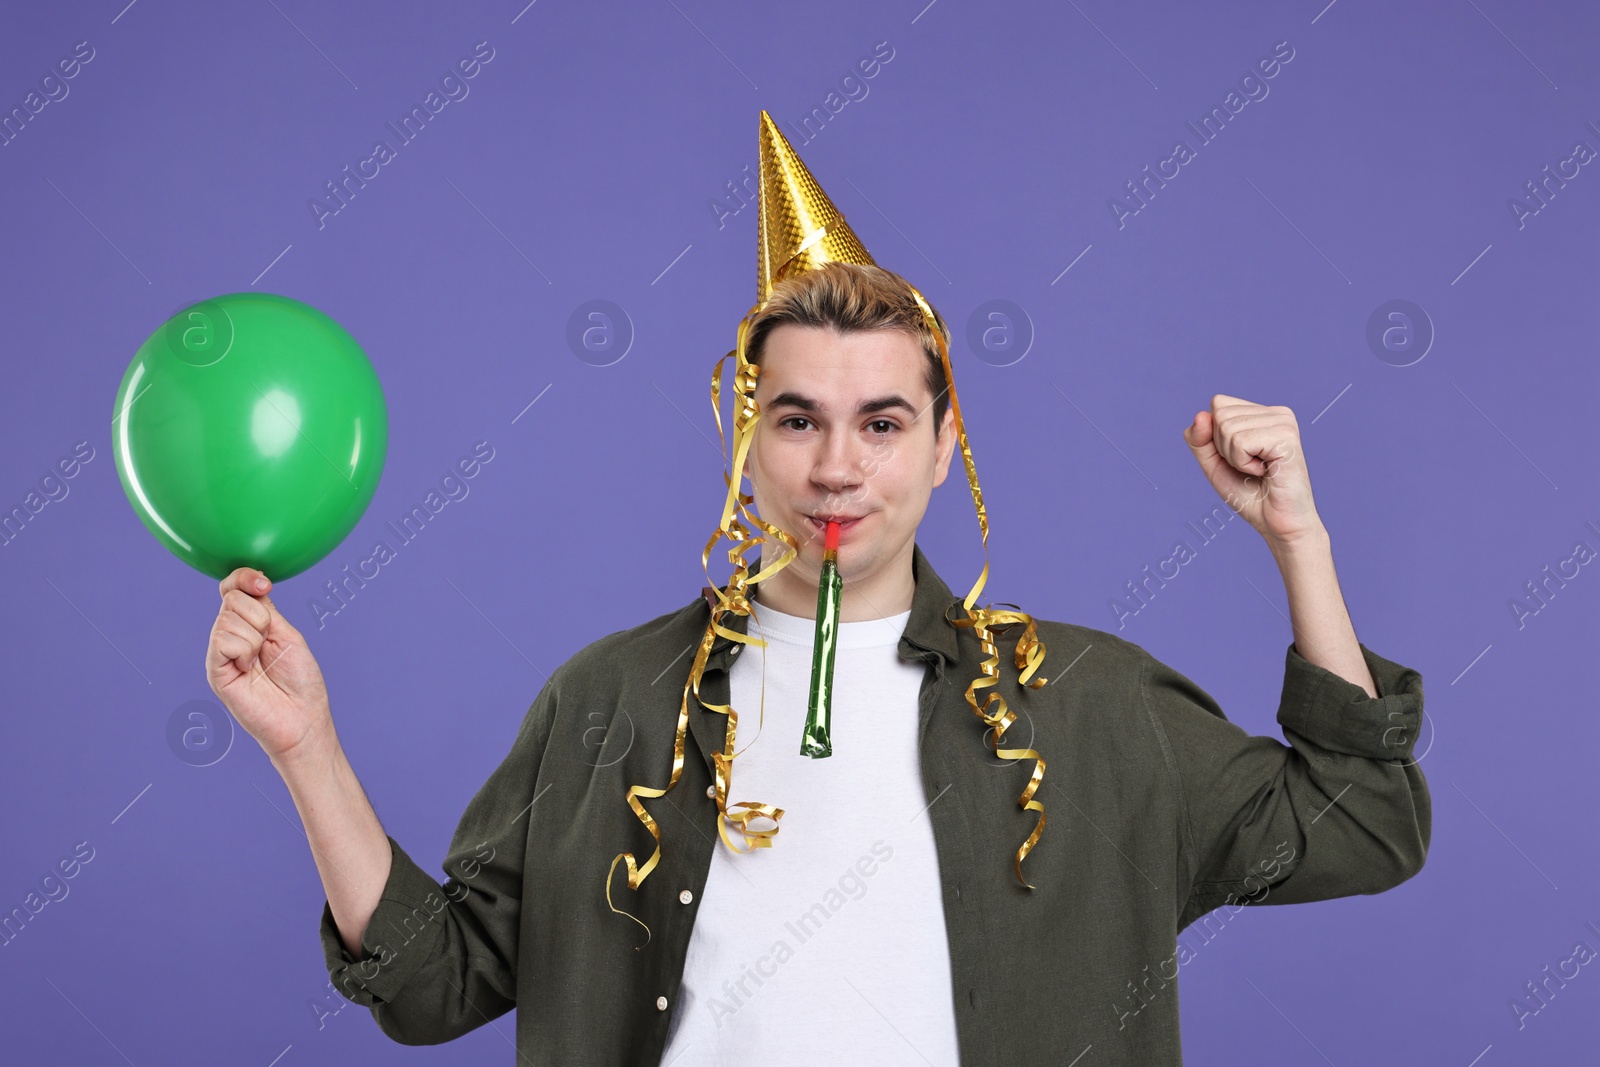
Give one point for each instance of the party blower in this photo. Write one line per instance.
(815, 741)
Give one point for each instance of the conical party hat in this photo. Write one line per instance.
(799, 229)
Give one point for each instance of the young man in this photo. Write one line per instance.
(896, 917)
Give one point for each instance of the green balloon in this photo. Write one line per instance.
(250, 430)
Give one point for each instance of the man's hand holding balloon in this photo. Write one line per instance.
(261, 668)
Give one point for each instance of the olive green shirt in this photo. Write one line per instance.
(1159, 811)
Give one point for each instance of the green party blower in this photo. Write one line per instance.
(814, 742)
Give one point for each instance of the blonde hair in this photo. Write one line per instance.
(853, 298)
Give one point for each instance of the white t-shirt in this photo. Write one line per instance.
(829, 946)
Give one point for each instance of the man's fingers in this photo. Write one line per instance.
(246, 579)
(1253, 448)
(248, 608)
(281, 626)
(236, 640)
(1223, 400)
(244, 591)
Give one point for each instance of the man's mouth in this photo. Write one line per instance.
(820, 525)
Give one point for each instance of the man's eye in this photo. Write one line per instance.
(881, 427)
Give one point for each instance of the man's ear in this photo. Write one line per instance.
(946, 447)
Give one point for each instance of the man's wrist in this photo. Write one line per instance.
(1311, 545)
(319, 749)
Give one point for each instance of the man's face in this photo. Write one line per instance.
(846, 429)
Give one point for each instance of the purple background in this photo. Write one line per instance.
(980, 164)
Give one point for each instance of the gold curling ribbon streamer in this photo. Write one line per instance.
(984, 621)
(736, 599)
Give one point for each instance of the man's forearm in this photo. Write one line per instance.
(1323, 633)
(347, 841)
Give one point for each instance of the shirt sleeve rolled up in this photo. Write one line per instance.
(1342, 809)
(441, 959)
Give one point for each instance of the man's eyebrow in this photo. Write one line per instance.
(866, 407)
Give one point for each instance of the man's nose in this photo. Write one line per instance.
(839, 463)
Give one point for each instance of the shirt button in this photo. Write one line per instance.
(735, 650)
(685, 896)
(661, 1004)
(711, 791)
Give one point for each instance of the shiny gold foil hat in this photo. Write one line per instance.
(800, 230)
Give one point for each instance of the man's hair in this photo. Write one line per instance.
(853, 298)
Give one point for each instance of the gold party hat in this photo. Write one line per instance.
(799, 229)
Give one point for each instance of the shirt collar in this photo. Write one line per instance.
(927, 629)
